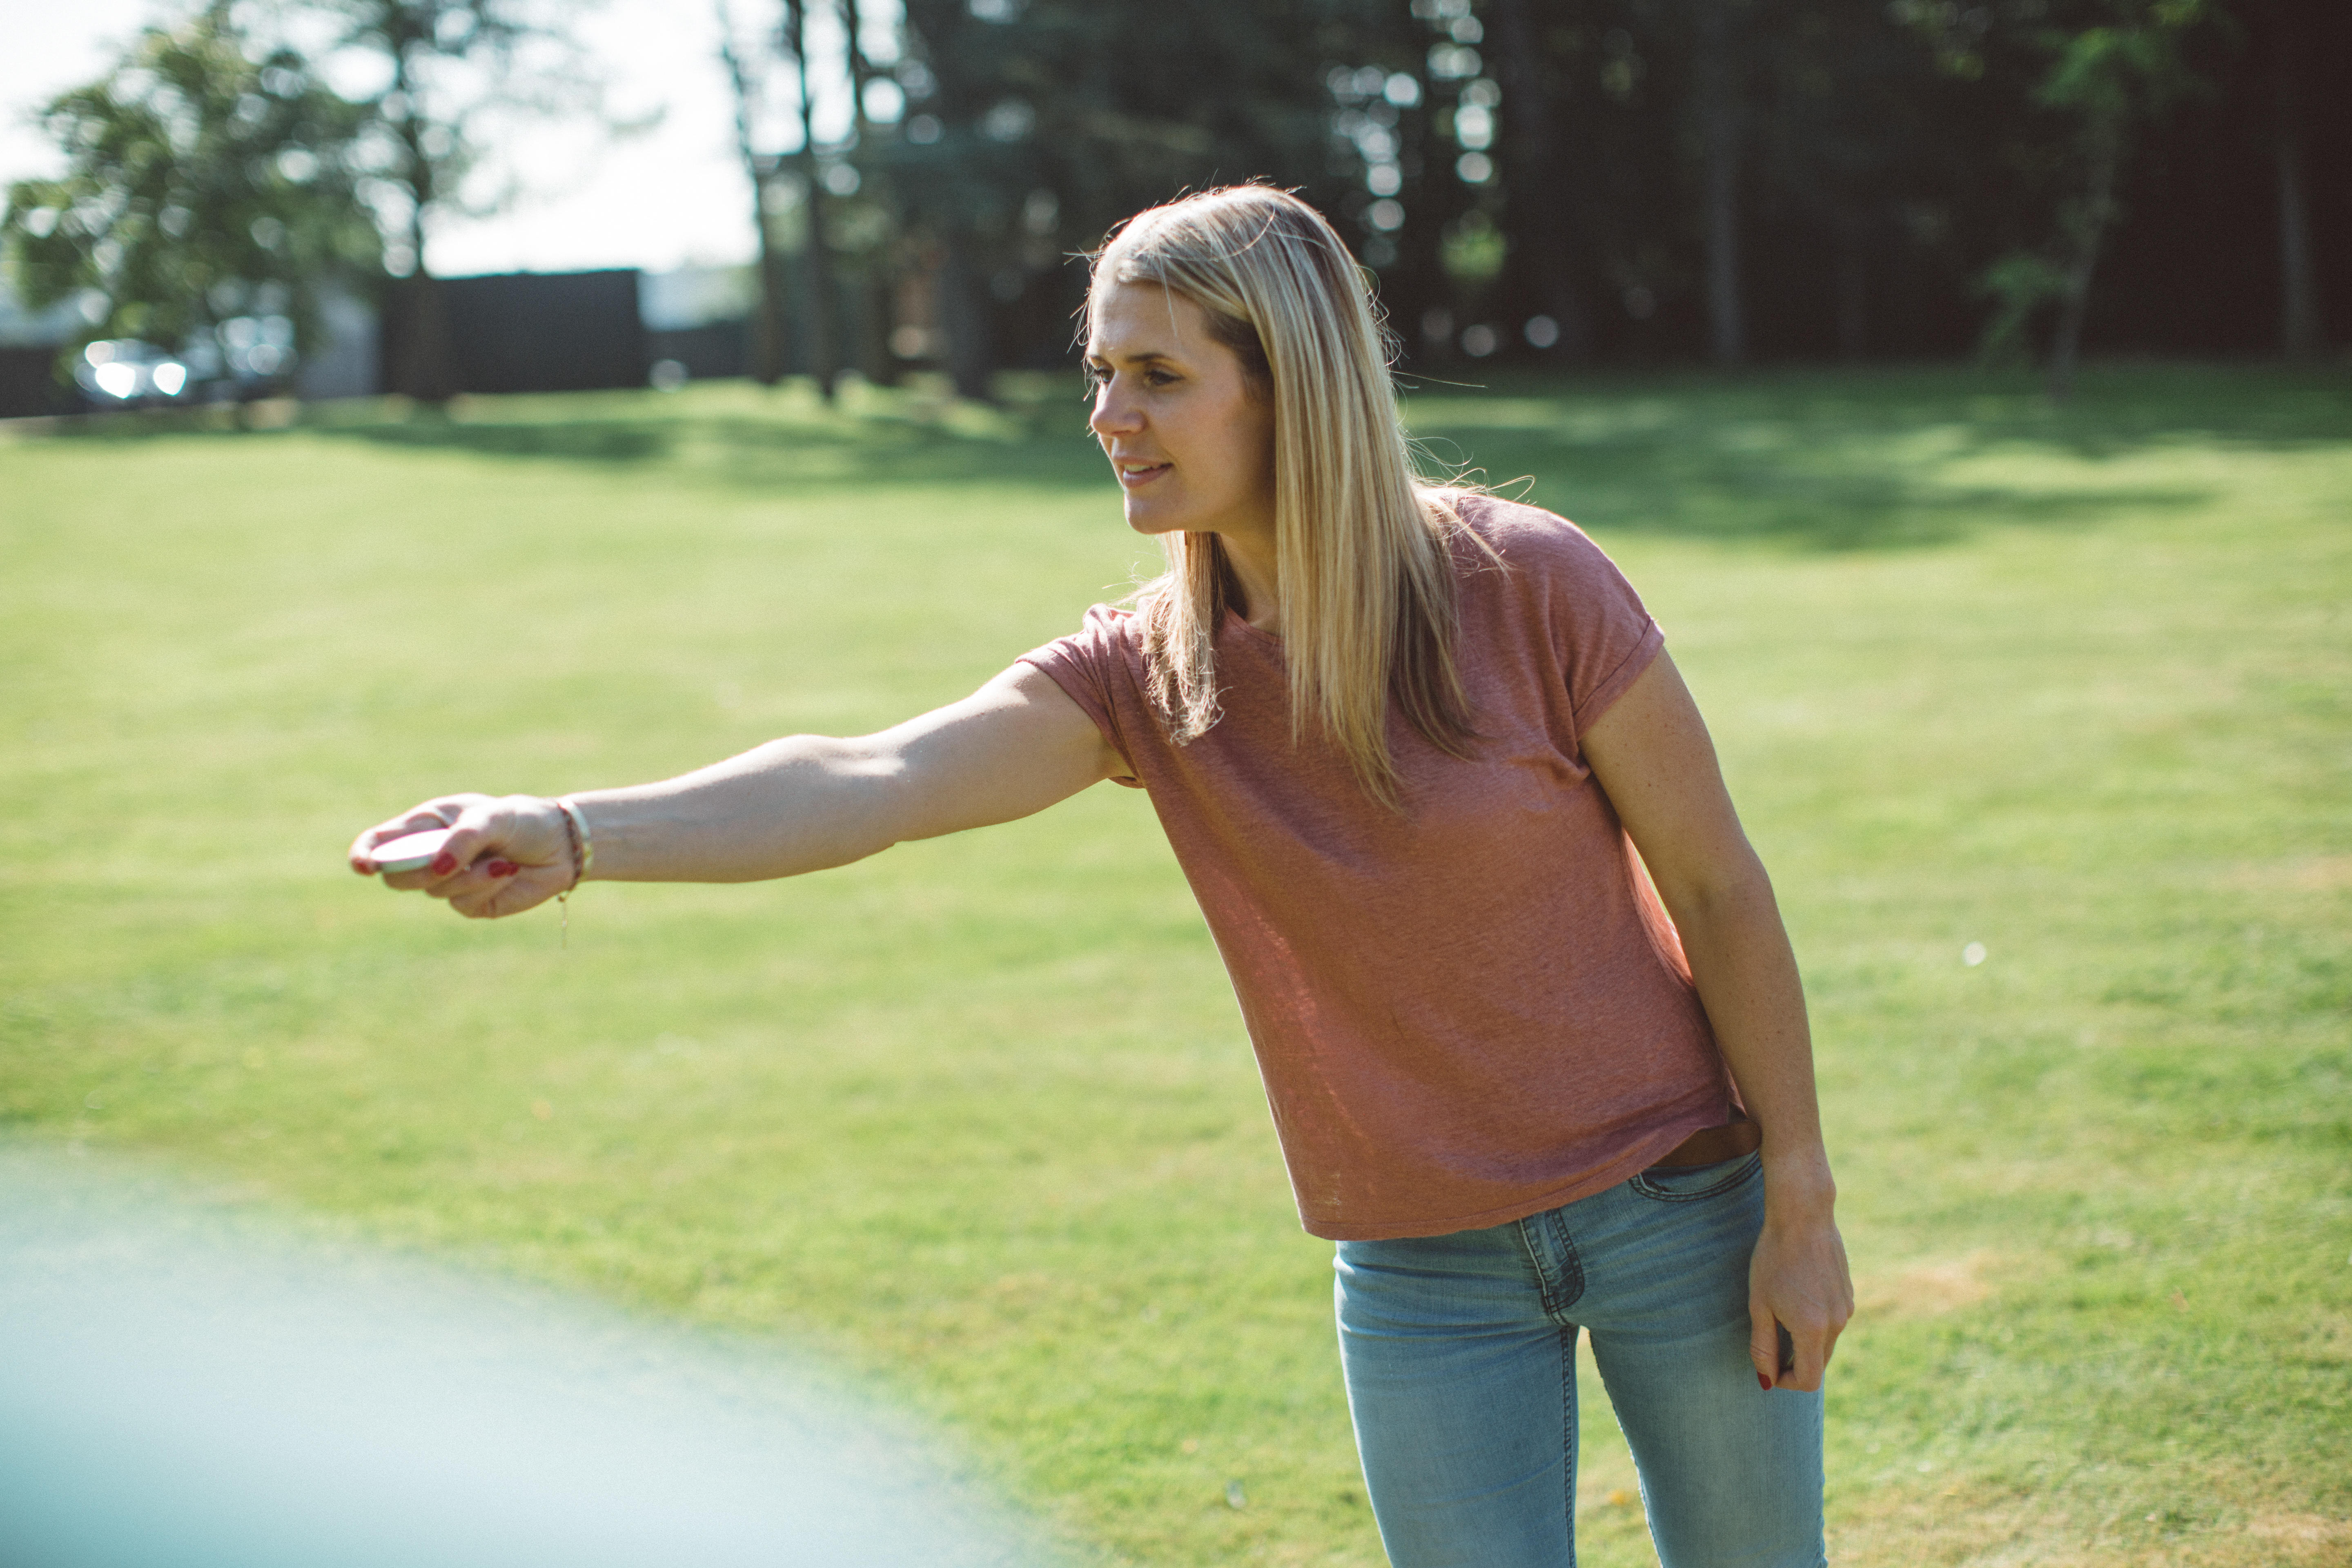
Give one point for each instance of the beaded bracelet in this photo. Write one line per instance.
(584, 855)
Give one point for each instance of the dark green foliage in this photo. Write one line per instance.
(1549, 182)
(1631, 179)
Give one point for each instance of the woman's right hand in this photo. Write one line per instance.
(506, 853)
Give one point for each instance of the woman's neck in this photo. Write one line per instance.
(1253, 558)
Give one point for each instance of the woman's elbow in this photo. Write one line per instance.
(1726, 888)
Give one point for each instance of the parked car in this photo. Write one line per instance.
(126, 372)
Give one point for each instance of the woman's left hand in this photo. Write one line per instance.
(1650, 752)
(1797, 1281)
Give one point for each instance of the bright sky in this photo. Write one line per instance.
(660, 199)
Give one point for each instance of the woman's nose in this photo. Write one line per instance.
(1114, 413)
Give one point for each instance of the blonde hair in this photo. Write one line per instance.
(1363, 566)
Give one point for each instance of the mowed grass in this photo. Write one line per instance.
(977, 1119)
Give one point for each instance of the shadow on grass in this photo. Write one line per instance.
(1862, 459)
(727, 432)
(1814, 460)
(750, 450)
(1810, 496)
(579, 440)
(2118, 408)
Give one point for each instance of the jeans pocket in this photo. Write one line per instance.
(1688, 1183)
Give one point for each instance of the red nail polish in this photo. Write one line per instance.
(446, 864)
(502, 867)
(1763, 1383)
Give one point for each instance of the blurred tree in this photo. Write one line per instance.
(1851, 129)
(824, 329)
(1543, 226)
(444, 64)
(1421, 113)
(2107, 69)
(1029, 122)
(961, 171)
(744, 77)
(803, 213)
(2125, 67)
(1720, 53)
(207, 184)
(2301, 333)
(875, 221)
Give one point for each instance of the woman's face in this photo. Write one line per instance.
(1192, 444)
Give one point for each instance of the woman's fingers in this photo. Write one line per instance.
(494, 889)
(1763, 1342)
(1785, 1357)
(1808, 1357)
(1799, 1300)
(438, 813)
(479, 835)
(503, 856)
(480, 892)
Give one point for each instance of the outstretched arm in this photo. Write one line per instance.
(802, 803)
(1652, 755)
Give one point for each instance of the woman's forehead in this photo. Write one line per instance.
(1141, 321)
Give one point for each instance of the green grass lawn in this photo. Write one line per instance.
(977, 1119)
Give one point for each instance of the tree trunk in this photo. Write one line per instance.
(871, 285)
(971, 357)
(421, 365)
(1853, 291)
(823, 334)
(1717, 80)
(767, 364)
(2089, 228)
(769, 339)
(2301, 333)
(1544, 253)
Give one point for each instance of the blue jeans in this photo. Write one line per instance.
(1460, 1353)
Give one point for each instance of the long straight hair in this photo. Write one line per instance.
(1361, 558)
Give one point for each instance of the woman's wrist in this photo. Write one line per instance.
(1798, 1187)
(578, 840)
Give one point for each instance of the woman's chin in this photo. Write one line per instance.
(1146, 519)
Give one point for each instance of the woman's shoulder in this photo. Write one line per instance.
(1519, 536)
(1108, 635)
(1119, 621)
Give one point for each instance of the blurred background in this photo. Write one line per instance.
(342, 197)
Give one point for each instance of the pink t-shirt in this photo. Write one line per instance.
(1475, 1010)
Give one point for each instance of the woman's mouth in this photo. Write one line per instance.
(1135, 475)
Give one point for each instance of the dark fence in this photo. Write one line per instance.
(531, 332)
(708, 353)
(29, 385)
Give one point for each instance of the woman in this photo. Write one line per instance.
(1414, 749)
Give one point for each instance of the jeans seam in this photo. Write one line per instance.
(1545, 1290)
(1572, 1269)
(1567, 1431)
(1558, 1294)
